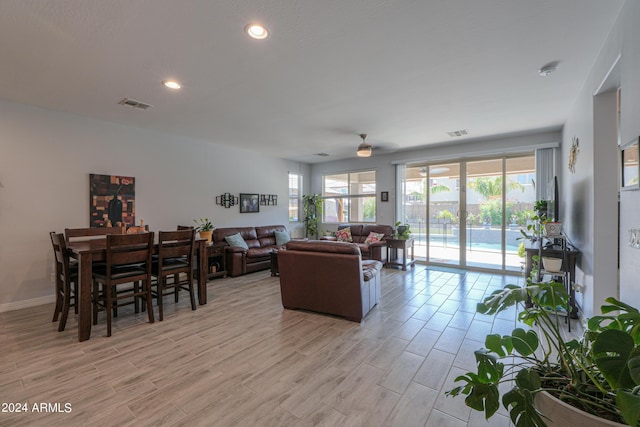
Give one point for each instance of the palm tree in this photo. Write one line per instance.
(490, 188)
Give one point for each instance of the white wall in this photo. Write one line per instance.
(45, 161)
(587, 195)
(630, 128)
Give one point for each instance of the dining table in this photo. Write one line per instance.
(86, 252)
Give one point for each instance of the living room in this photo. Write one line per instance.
(48, 154)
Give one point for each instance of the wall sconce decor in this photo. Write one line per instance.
(227, 200)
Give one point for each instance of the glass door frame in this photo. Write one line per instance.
(463, 212)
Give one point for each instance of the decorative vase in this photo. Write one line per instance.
(401, 230)
(552, 264)
(206, 235)
(552, 229)
(560, 414)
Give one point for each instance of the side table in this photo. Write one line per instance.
(393, 256)
(274, 263)
(216, 262)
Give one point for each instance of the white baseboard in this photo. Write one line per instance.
(11, 306)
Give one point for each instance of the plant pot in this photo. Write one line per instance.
(552, 264)
(206, 235)
(401, 229)
(560, 414)
(552, 229)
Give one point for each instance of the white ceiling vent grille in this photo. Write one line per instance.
(134, 104)
(457, 133)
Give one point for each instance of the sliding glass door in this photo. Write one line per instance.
(470, 213)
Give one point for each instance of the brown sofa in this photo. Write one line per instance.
(360, 232)
(261, 241)
(328, 277)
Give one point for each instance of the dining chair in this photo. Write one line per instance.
(128, 261)
(66, 274)
(90, 233)
(174, 262)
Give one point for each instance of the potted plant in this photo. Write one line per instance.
(403, 230)
(540, 206)
(205, 228)
(598, 374)
(312, 208)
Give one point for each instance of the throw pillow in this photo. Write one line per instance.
(282, 237)
(373, 237)
(236, 240)
(344, 235)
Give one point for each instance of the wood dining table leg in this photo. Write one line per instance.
(84, 289)
(203, 267)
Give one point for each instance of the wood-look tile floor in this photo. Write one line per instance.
(242, 360)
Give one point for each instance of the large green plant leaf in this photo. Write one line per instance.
(502, 346)
(503, 299)
(484, 397)
(629, 405)
(524, 342)
(520, 400)
(482, 388)
(551, 295)
(489, 368)
(628, 320)
(634, 368)
(612, 350)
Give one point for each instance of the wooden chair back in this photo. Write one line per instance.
(90, 233)
(176, 244)
(61, 254)
(126, 249)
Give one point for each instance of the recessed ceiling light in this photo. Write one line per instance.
(257, 31)
(172, 84)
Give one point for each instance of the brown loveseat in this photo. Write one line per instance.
(261, 241)
(328, 277)
(360, 232)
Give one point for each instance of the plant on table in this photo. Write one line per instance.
(403, 230)
(203, 224)
(598, 374)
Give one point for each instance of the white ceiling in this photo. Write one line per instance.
(403, 71)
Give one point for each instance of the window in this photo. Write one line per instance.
(295, 184)
(349, 197)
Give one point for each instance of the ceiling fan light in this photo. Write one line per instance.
(364, 150)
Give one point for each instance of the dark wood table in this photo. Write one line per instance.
(572, 255)
(393, 257)
(88, 251)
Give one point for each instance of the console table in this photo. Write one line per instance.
(393, 257)
(569, 258)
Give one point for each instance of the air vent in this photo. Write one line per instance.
(457, 133)
(322, 155)
(134, 104)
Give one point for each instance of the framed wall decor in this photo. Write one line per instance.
(111, 200)
(384, 196)
(249, 202)
(630, 167)
(227, 200)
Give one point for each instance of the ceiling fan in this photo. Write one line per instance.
(364, 149)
